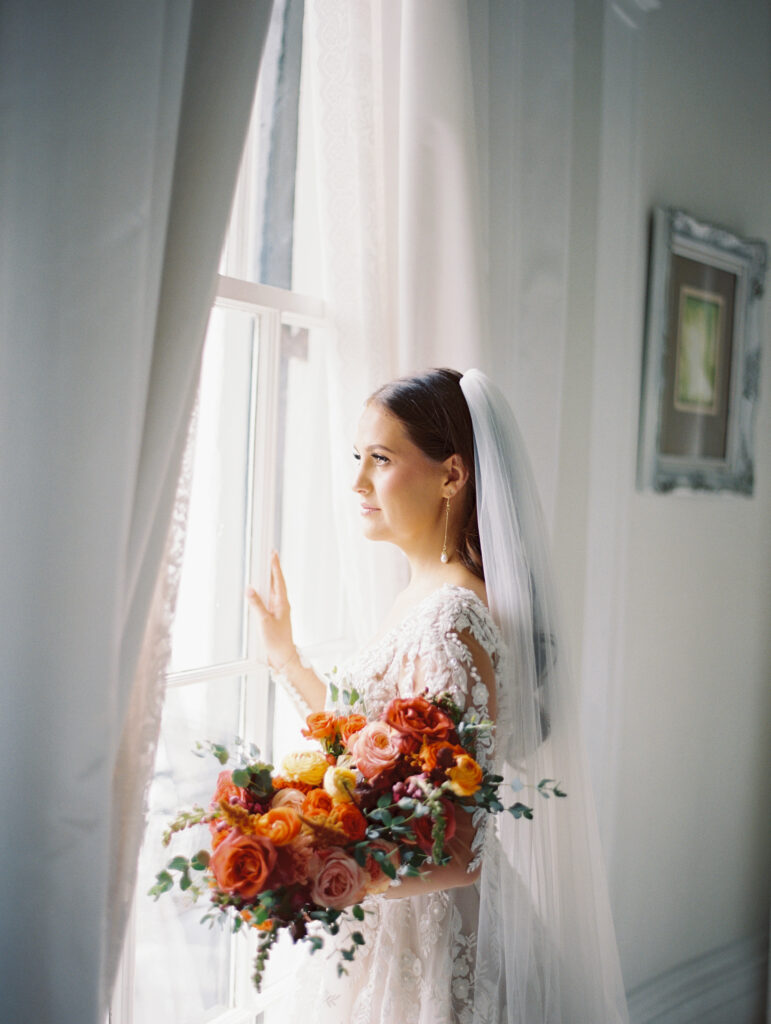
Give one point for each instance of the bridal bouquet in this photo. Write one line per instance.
(375, 801)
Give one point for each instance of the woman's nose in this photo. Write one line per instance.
(360, 484)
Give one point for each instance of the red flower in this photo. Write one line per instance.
(419, 719)
(424, 826)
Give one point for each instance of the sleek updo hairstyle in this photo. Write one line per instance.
(433, 410)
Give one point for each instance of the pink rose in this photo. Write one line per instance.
(376, 748)
(339, 882)
(287, 798)
(240, 864)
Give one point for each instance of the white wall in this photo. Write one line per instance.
(687, 591)
(694, 846)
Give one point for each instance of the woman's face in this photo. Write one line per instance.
(400, 489)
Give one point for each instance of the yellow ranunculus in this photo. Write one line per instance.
(466, 777)
(305, 766)
(339, 783)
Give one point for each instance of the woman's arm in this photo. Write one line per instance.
(283, 657)
(456, 873)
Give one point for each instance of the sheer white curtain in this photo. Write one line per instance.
(121, 129)
(394, 165)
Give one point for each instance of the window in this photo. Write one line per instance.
(260, 469)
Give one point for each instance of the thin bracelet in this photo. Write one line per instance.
(290, 658)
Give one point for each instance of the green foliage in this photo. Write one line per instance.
(255, 778)
(519, 810)
(186, 819)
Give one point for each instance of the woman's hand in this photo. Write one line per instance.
(274, 618)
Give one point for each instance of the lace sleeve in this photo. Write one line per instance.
(458, 662)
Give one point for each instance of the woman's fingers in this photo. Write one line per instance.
(277, 584)
(256, 601)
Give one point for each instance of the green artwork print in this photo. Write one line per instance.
(698, 347)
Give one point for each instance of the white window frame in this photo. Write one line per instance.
(273, 308)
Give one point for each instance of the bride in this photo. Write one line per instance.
(516, 928)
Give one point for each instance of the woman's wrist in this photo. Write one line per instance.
(285, 664)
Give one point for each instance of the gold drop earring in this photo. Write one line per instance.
(444, 556)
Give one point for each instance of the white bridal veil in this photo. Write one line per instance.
(546, 946)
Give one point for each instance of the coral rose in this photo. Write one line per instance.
(376, 748)
(322, 725)
(339, 882)
(466, 777)
(280, 825)
(317, 804)
(351, 725)
(424, 826)
(288, 798)
(419, 719)
(306, 766)
(350, 820)
(339, 783)
(227, 789)
(240, 864)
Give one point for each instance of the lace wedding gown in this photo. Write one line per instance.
(418, 963)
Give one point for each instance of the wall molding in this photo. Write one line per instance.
(725, 984)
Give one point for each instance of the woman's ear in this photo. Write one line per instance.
(456, 475)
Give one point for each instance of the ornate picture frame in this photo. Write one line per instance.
(701, 364)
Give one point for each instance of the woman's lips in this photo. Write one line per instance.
(367, 509)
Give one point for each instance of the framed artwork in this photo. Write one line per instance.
(701, 367)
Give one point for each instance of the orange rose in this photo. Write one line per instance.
(322, 725)
(280, 825)
(466, 777)
(281, 783)
(418, 719)
(349, 819)
(317, 804)
(240, 864)
(351, 725)
(441, 755)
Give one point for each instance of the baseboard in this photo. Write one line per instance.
(725, 986)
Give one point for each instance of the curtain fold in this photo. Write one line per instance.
(120, 134)
(394, 153)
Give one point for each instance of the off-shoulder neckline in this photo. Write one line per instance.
(409, 614)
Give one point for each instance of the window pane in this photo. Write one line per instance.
(308, 538)
(183, 968)
(209, 626)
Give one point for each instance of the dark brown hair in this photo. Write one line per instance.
(433, 410)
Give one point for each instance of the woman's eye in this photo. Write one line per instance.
(378, 458)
